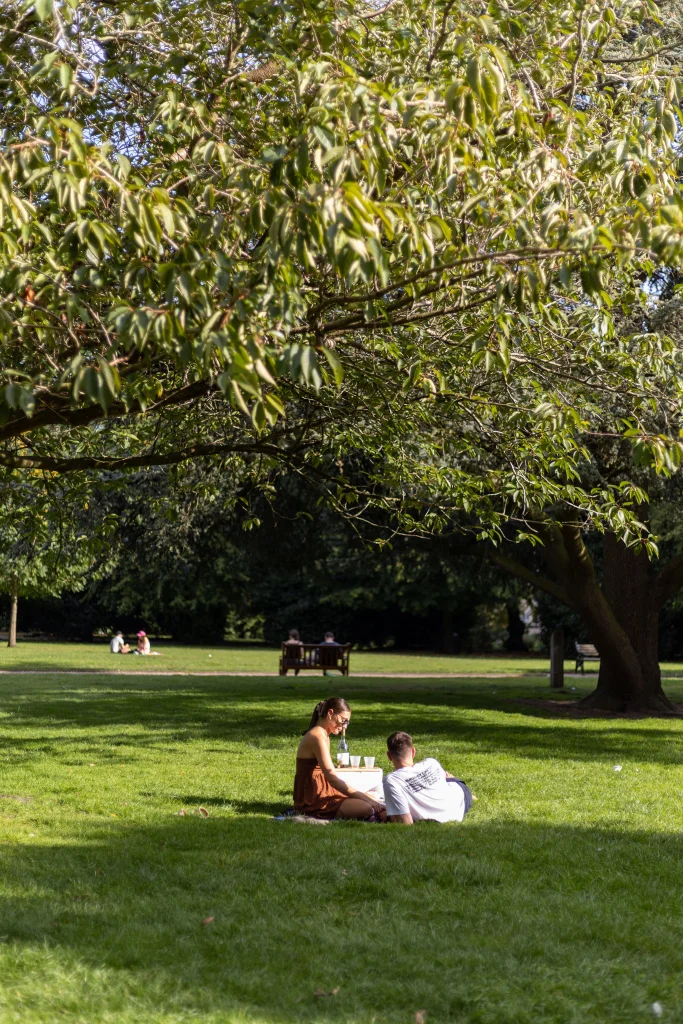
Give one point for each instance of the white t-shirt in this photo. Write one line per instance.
(115, 645)
(423, 792)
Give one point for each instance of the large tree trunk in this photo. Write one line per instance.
(14, 601)
(629, 586)
(620, 614)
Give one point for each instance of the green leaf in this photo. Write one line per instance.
(335, 364)
(43, 9)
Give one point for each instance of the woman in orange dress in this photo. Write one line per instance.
(318, 792)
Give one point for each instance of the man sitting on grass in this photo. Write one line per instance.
(117, 644)
(422, 791)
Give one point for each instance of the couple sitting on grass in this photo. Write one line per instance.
(412, 792)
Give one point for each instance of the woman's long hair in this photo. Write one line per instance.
(336, 704)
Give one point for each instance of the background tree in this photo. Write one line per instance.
(51, 538)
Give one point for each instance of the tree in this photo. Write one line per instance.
(47, 540)
(619, 589)
(219, 215)
(412, 229)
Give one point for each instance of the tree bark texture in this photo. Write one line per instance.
(620, 613)
(557, 659)
(14, 602)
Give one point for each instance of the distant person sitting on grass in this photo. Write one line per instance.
(144, 645)
(118, 645)
(422, 791)
(296, 648)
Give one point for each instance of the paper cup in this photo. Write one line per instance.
(369, 762)
(355, 760)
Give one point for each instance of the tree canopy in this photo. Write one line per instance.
(398, 234)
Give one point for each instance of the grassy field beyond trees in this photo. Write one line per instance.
(557, 901)
(95, 657)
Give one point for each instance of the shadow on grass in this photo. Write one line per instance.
(247, 916)
(267, 807)
(261, 715)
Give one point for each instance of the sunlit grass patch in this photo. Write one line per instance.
(558, 899)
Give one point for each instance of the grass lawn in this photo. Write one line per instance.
(44, 656)
(559, 899)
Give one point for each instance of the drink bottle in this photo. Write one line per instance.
(342, 749)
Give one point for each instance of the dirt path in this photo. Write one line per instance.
(260, 675)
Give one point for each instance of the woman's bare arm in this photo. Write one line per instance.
(322, 752)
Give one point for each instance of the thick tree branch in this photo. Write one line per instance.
(51, 417)
(642, 56)
(515, 568)
(152, 458)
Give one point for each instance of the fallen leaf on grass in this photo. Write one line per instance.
(182, 811)
(322, 992)
(203, 811)
(91, 765)
(345, 872)
(420, 1016)
(207, 920)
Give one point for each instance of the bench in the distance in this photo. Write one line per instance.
(585, 652)
(314, 658)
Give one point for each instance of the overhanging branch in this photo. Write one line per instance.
(82, 417)
(515, 568)
(171, 458)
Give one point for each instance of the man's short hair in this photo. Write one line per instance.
(399, 743)
(329, 634)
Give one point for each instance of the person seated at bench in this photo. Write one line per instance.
(422, 791)
(318, 791)
(329, 641)
(296, 649)
(117, 644)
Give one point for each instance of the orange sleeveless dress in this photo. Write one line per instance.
(313, 794)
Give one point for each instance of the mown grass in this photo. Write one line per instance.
(46, 656)
(558, 900)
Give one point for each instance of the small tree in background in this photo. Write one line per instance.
(50, 538)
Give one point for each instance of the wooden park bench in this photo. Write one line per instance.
(585, 652)
(314, 658)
